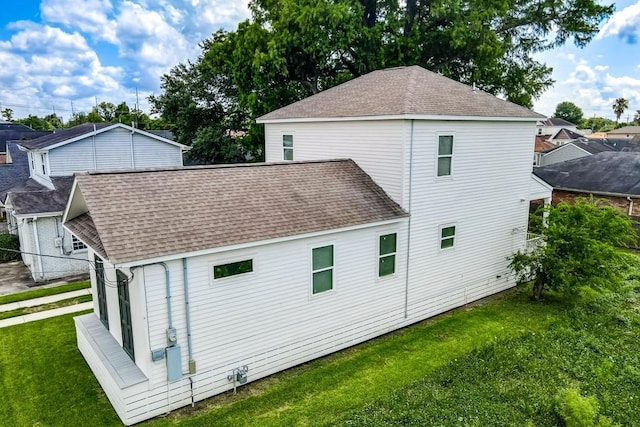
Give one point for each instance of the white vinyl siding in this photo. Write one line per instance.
(113, 149)
(561, 154)
(376, 146)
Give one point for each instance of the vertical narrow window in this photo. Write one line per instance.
(445, 154)
(447, 237)
(125, 314)
(322, 274)
(387, 255)
(33, 164)
(287, 146)
(102, 295)
(43, 157)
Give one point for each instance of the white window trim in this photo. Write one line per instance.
(455, 236)
(452, 155)
(395, 262)
(283, 148)
(45, 169)
(332, 268)
(230, 260)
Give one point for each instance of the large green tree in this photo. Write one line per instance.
(290, 49)
(580, 247)
(569, 111)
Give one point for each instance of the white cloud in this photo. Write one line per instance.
(88, 16)
(624, 24)
(592, 87)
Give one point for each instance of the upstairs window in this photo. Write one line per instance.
(232, 269)
(445, 154)
(387, 255)
(43, 158)
(287, 147)
(322, 274)
(447, 236)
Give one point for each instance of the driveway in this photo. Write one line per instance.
(15, 277)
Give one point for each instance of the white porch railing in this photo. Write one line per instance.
(533, 241)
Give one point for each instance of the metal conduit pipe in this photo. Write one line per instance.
(185, 281)
(171, 332)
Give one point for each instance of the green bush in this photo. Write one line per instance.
(579, 411)
(9, 241)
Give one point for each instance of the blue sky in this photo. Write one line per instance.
(59, 53)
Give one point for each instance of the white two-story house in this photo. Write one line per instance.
(35, 206)
(381, 204)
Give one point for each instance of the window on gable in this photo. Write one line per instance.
(322, 266)
(447, 237)
(43, 157)
(287, 146)
(77, 244)
(387, 255)
(232, 269)
(445, 154)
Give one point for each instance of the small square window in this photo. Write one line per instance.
(447, 237)
(77, 244)
(387, 255)
(445, 154)
(287, 147)
(322, 265)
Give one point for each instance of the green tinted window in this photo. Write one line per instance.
(322, 269)
(447, 237)
(232, 269)
(445, 145)
(387, 258)
(323, 257)
(388, 244)
(445, 154)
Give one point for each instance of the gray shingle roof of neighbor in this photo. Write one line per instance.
(567, 134)
(400, 91)
(634, 130)
(138, 215)
(33, 198)
(12, 174)
(592, 147)
(61, 135)
(607, 172)
(556, 121)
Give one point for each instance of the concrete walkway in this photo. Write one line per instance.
(31, 317)
(43, 300)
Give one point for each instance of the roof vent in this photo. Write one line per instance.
(473, 87)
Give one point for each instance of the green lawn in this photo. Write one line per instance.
(498, 363)
(43, 292)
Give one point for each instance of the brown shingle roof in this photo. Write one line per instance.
(542, 144)
(400, 91)
(140, 215)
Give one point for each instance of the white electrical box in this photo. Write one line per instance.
(57, 242)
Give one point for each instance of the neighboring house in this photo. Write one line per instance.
(570, 151)
(35, 205)
(553, 125)
(611, 176)
(273, 265)
(541, 145)
(627, 132)
(13, 171)
(624, 145)
(564, 136)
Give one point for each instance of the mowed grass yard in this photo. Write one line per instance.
(499, 362)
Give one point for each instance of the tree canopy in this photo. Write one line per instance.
(619, 107)
(580, 247)
(290, 49)
(569, 111)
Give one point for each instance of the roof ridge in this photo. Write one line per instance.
(208, 167)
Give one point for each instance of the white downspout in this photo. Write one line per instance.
(630, 200)
(406, 284)
(37, 241)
